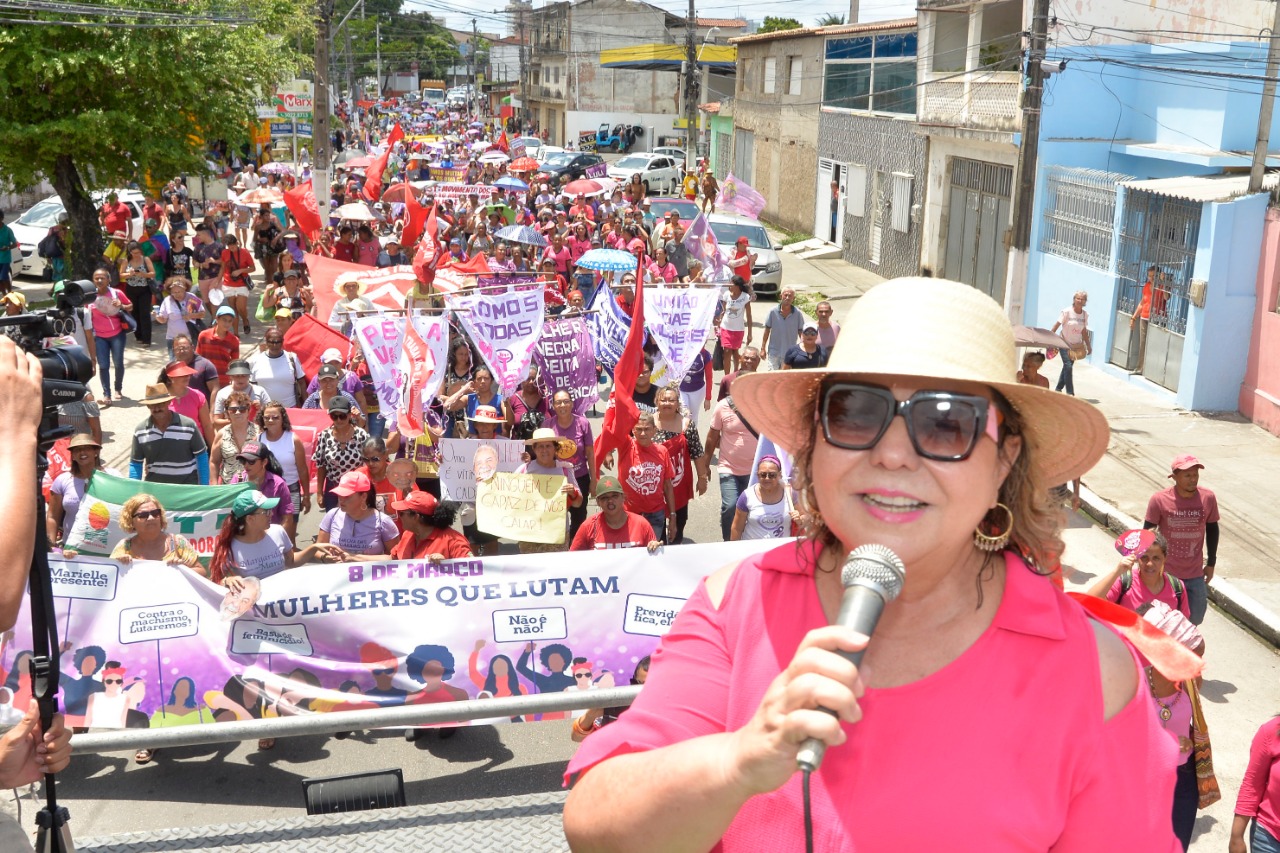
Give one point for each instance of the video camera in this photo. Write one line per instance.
(67, 369)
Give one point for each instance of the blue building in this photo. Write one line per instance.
(1142, 201)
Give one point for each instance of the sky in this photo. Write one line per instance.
(457, 13)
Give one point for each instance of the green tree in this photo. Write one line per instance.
(772, 24)
(93, 106)
(830, 20)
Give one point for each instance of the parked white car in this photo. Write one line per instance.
(546, 152)
(676, 154)
(766, 272)
(34, 223)
(661, 174)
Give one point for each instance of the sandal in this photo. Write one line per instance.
(144, 756)
(267, 743)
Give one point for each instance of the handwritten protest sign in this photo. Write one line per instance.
(566, 361)
(523, 507)
(381, 338)
(681, 322)
(505, 325)
(458, 463)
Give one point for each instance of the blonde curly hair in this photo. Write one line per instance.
(132, 505)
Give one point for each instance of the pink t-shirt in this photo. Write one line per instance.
(1182, 522)
(1004, 749)
(189, 404)
(1138, 595)
(737, 444)
(1260, 789)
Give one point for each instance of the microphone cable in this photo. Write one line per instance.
(808, 814)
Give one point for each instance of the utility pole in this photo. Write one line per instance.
(320, 108)
(377, 41)
(524, 64)
(691, 90)
(475, 46)
(1028, 154)
(1259, 166)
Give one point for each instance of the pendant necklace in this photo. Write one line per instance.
(1166, 711)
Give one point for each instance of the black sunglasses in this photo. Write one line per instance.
(943, 426)
(339, 416)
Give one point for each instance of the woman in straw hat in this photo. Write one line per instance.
(982, 675)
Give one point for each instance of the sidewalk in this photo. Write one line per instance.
(1242, 462)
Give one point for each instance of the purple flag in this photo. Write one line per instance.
(701, 244)
(567, 362)
(737, 196)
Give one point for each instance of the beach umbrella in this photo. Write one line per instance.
(276, 168)
(521, 234)
(607, 260)
(399, 193)
(509, 183)
(523, 164)
(363, 161)
(261, 195)
(587, 186)
(503, 210)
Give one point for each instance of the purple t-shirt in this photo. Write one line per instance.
(696, 378)
(349, 382)
(580, 431)
(374, 535)
(272, 486)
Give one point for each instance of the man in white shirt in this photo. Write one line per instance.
(278, 371)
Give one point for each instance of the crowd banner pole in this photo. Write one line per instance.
(346, 721)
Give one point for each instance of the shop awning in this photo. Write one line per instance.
(1203, 188)
(667, 57)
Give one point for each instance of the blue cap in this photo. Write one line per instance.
(226, 311)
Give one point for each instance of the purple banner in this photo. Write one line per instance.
(599, 170)
(567, 362)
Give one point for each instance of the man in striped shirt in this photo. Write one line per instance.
(167, 446)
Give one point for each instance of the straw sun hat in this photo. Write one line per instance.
(930, 329)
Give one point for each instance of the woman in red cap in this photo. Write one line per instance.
(176, 376)
(741, 263)
(358, 529)
(428, 530)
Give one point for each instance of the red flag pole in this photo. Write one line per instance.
(622, 414)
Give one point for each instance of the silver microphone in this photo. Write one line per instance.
(873, 576)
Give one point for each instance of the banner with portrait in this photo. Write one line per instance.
(152, 645)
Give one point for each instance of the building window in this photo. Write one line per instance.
(1079, 215)
(900, 203)
(871, 74)
(556, 74)
(770, 75)
(795, 74)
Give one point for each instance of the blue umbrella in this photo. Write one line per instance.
(608, 260)
(521, 234)
(509, 183)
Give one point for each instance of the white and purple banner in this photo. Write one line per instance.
(505, 323)
(679, 318)
(381, 337)
(183, 651)
(609, 327)
(566, 361)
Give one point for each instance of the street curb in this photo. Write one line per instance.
(1237, 604)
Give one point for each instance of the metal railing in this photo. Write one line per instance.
(347, 721)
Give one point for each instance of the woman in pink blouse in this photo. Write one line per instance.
(990, 712)
(1259, 798)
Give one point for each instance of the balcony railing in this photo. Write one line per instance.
(980, 100)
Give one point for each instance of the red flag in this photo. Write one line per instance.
(308, 338)
(623, 413)
(301, 202)
(427, 257)
(421, 364)
(306, 424)
(502, 144)
(373, 175)
(415, 220)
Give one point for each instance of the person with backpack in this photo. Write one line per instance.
(1150, 582)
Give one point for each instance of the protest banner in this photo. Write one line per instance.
(566, 361)
(517, 148)
(451, 192)
(505, 324)
(681, 322)
(381, 338)
(598, 170)
(196, 512)
(463, 459)
(523, 507)
(609, 328)
(299, 638)
(447, 174)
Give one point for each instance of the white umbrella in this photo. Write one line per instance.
(356, 210)
(496, 157)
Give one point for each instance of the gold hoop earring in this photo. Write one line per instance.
(991, 543)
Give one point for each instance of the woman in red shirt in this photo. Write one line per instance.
(428, 530)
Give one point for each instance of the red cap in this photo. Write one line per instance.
(1185, 461)
(423, 502)
(177, 368)
(742, 241)
(352, 483)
